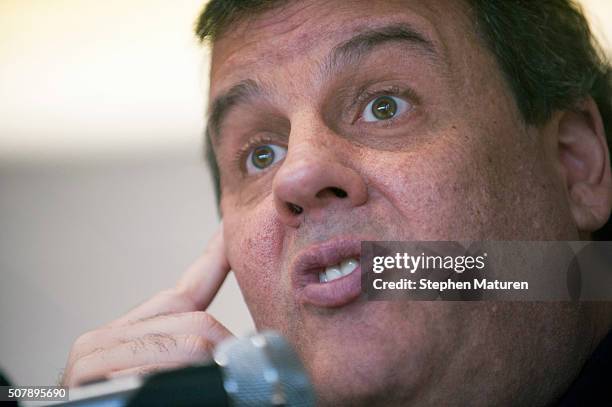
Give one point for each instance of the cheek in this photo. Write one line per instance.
(433, 191)
(458, 187)
(253, 241)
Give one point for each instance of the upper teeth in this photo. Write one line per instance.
(336, 271)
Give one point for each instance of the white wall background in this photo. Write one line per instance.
(104, 197)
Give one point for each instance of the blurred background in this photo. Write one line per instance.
(104, 195)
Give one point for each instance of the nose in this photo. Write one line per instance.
(311, 180)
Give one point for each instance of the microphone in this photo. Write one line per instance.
(258, 370)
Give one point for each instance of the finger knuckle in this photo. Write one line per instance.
(85, 340)
(203, 319)
(196, 347)
(161, 342)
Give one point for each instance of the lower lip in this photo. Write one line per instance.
(336, 293)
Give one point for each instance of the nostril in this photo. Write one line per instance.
(295, 209)
(335, 191)
(340, 193)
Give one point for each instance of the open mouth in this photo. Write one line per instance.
(328, 274)
(339, 270)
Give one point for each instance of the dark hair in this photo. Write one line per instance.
(545, 49)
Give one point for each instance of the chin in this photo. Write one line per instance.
(354, 360)
(355, 376)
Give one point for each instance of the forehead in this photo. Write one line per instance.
(298, 33)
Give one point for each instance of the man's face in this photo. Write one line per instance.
(342, 121)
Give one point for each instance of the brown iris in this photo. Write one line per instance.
(384, 108)
(263, 156)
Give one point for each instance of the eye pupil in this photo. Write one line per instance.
(384, 108)
(263, 156)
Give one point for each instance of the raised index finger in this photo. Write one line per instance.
(204, 277)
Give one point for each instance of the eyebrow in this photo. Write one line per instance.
(237, 94)
(357, 47)
(346, 53)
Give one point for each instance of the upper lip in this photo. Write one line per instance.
(316, 258)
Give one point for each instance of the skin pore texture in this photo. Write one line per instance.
(455, 163)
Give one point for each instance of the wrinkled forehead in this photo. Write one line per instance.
(259, 44)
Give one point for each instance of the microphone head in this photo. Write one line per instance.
(262, 369)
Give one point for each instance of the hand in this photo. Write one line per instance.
(170, 330)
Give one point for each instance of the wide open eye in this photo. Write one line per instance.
(384, 108)
(264, 156)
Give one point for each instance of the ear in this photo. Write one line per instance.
(585, 162)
